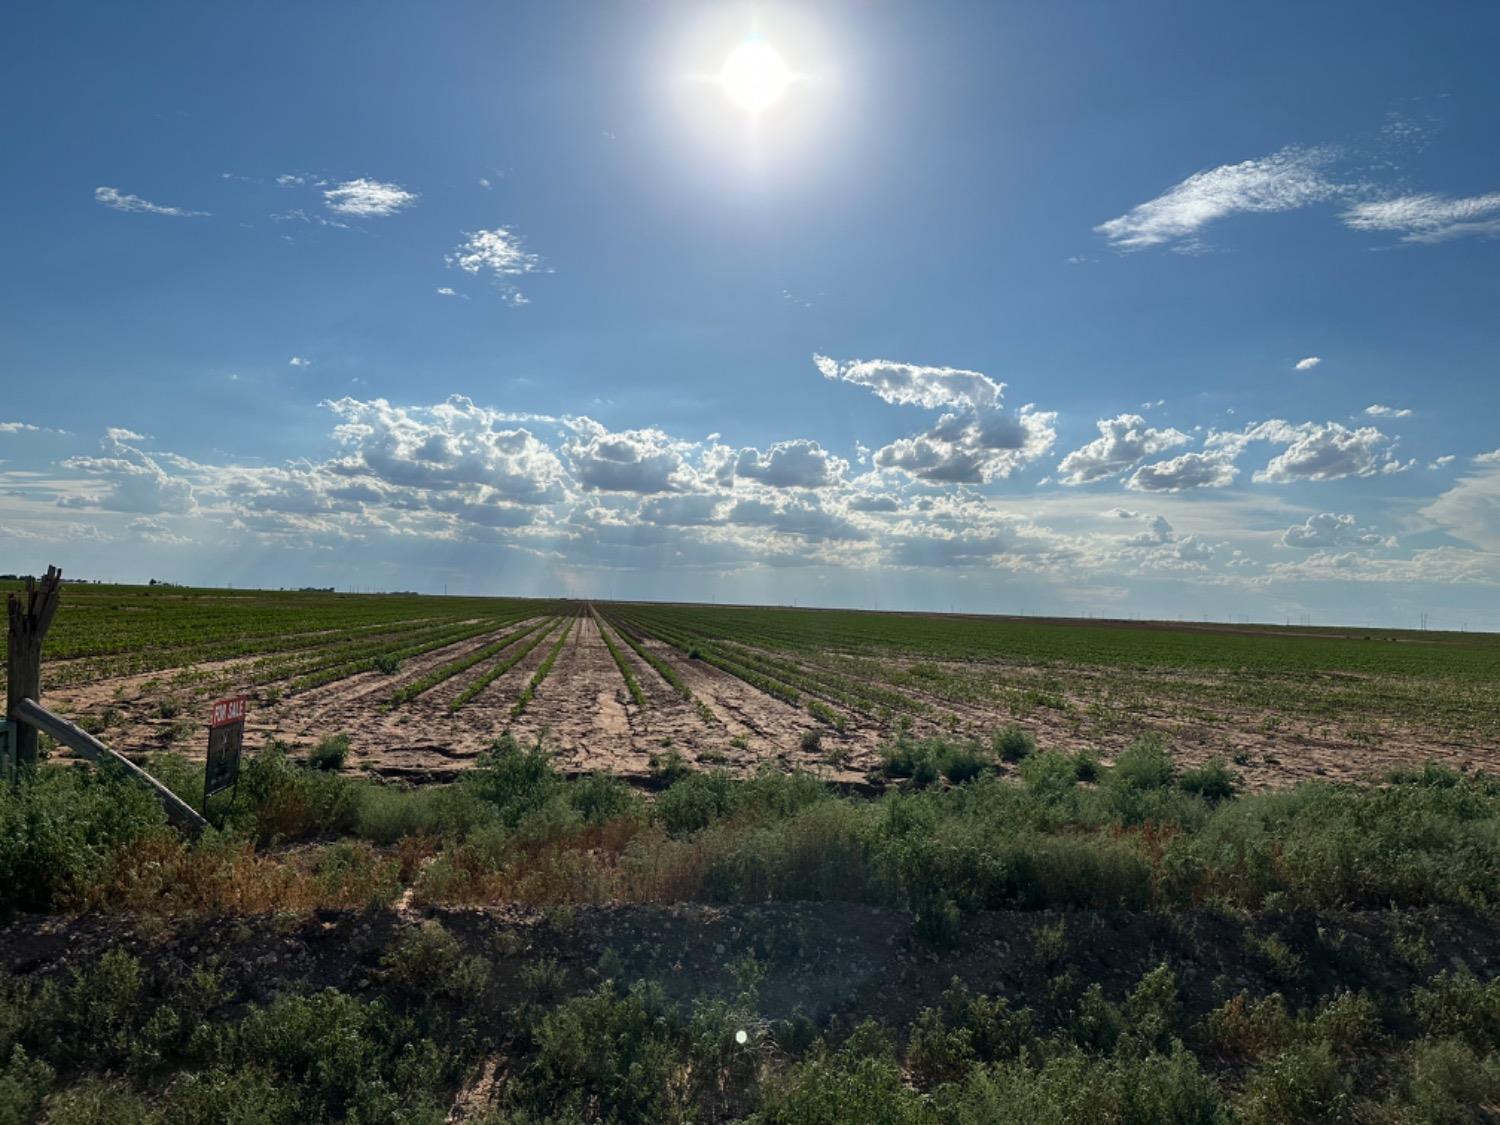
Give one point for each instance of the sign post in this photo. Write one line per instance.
(226, 733)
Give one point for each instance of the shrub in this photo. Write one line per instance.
(939, 920)
(512, 781)
(962, 763)
(601, 797)
(60, 829)
(1144, 764)
(330, 753)
(669, 768)
(1456, 1005)
(1305, 1082)
(427, 958)
(1012, 743)
(695, 802)
(1049, 775)
(388, 663)
(812, 741)
(1213, 781)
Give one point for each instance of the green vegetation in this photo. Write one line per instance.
(626, 672)
(529, 691)
(1412, 1038)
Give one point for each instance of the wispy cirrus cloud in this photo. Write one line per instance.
(117, 200)
(1284, 181)
(498, 252)
(364, 198)
(1429, 218)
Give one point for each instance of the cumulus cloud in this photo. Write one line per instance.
(1307, 363)
(906, 384)
(1327, 452)
(367, 199)
(117, 200)
(791, 464)
(695, 510)
(975, 442)
(134, 480)
(299, 361)
(803, 516)
(1211, 469)
(1283, 181)
(18, 427)
(1158, 530)
(1123, 441)
(1379, 411)
(455, 443)
(642, 461)
(1329, 530)
(1428, 218)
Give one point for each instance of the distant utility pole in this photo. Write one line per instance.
(1424, 622)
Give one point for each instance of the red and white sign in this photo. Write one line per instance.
(227, 711)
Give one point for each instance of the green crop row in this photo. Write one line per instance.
(658, 665)
(631, 685)
(454, 668)
(541, 673)
(501, 668)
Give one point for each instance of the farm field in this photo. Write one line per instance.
(519, 861)
(421, 686)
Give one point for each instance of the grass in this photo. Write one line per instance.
(119, 1038)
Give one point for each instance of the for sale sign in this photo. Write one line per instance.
(227, 711)
(226, 732)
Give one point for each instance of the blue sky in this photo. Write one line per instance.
(1079, 308)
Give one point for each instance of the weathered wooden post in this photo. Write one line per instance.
(23, 681)
(31, 614)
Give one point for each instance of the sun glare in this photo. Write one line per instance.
(754, 76)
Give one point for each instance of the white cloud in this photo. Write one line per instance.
(299, 361)
(1429, 218)
(1470, 510)
(18, 427)
(135, 481)
(1327, 452)
(452, 445)
(448, 291)
(1328, 530)
(500, 253)
(1157, 531)
(119, 201)
(1380, 411)
(1308, 362)
(1123, 441)
(1190, 470)
(287, 179)
(368, 198)
(906, 384)
(974, 443)
(1284, 181)
(1441, 462)
(642, 461)
(791, 464)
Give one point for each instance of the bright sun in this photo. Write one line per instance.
(754, 76)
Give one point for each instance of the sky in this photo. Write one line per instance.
(1155, 310)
